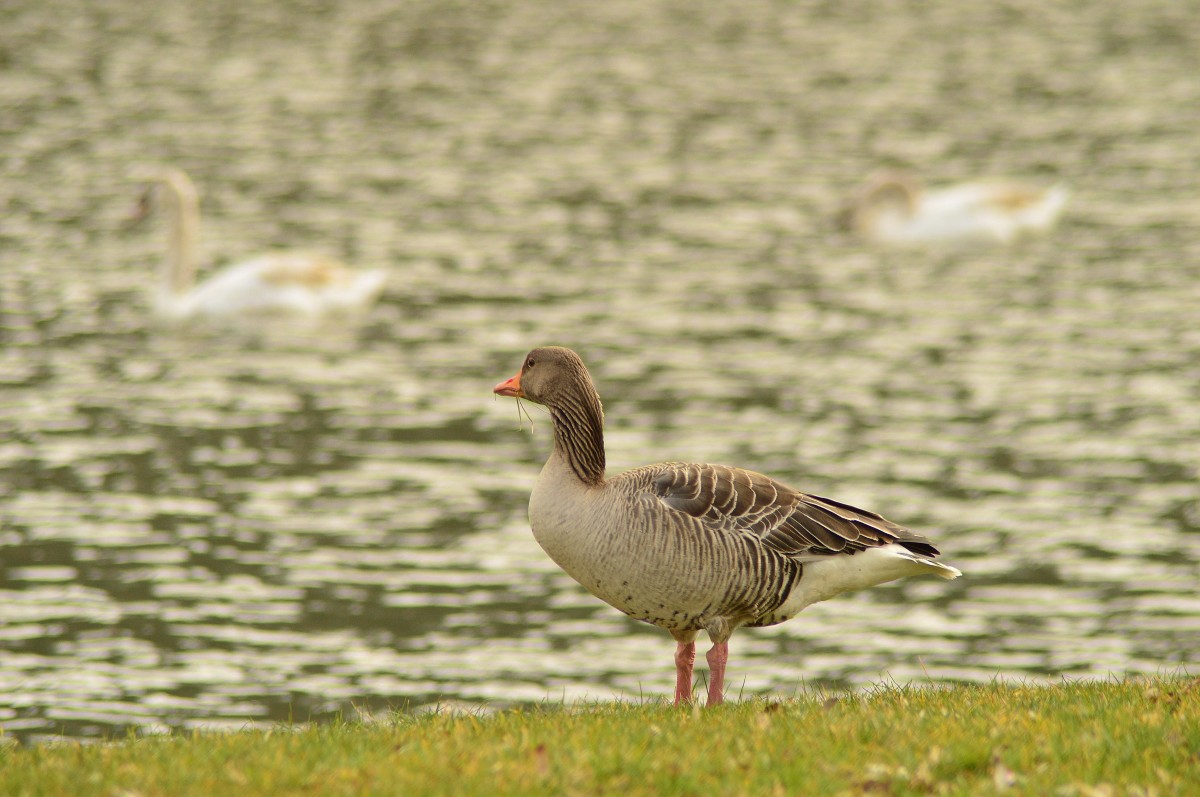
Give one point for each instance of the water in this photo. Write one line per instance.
(225, 527)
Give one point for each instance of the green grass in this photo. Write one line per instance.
(1095, 739)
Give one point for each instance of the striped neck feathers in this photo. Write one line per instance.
(579, 435)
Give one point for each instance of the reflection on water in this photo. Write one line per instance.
(224, 527)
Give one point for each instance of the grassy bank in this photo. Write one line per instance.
(1137, 737)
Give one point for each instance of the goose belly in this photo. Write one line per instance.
(667, 578)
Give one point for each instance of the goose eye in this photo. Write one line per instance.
(529, 363)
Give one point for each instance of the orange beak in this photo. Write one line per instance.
(511, 388)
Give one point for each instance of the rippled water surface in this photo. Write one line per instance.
(222, 526)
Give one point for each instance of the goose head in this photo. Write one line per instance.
(552, 376)
(557, 379)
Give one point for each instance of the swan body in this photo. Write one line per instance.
(893, 208)
(694, 547)
(278, 283)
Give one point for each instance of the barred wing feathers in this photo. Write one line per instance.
(735, 501)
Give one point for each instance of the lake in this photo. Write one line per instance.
(232, 525)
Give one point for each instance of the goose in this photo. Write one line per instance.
(277, 283)
(893, 208)
(694, 547)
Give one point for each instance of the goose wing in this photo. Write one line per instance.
(745, 503)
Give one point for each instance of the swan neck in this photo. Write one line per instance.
(183, 229)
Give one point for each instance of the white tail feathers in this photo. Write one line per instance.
(937, 568)
(834, 575)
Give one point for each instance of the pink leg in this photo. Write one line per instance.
(718, 655)
(685, 657)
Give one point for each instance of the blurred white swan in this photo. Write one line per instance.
(893, 208)
(288, 283)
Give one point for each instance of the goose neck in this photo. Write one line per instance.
(579, 438)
